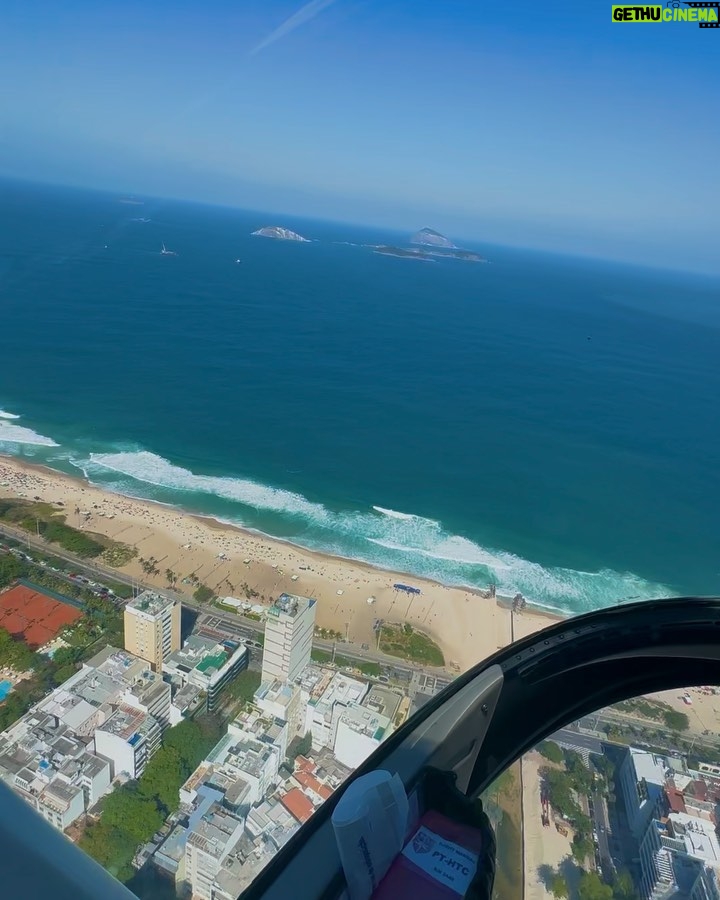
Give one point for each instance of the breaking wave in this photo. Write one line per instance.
(19, 434)
(380, 536)
(153, 469)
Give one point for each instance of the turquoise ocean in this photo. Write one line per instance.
(546, 423)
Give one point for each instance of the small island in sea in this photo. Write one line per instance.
(431, 238)
(280, 234)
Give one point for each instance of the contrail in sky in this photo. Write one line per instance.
(303, 15)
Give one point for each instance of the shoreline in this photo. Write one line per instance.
(212, 521)
(467, 625)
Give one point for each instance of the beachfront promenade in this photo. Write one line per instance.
(346, 650)
(228, 560)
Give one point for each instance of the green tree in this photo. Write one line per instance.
(244, 686)
(67, 656)
(678, 721)
(159, 781)
(551, 751)
(135, 811)
(300, 746)
(56, 531)
(624, 887)
(560, 792)
(63, 673)
(579, 773)
(558, 887)
(203, 593)
(15, 653)
(127, 809)
(10, 569)
(582, 848)
(591, 887)
(113, 848)
(582, 824)
(193, 739)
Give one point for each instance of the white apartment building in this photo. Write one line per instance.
(150, 694)
(60, 804)
(289, 631)
(128, 740)
(208, 844)
(322, 715)
(359, 732)
(278, 700)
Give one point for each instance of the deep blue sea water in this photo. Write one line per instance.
(547, 423)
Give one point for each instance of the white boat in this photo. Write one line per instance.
(165, 252)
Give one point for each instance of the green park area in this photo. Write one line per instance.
(655, 711)
(408, 643)
(325, 658)
(47, 522)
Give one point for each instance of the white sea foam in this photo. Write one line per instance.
(153, 469)
(451, 548)
(382, 536)
(393, 514)
(7, 415)
(18, 434)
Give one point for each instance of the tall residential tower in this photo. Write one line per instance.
(152, 628)
(288, 638)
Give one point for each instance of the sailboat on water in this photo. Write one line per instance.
(166, 252)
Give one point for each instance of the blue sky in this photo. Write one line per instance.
(541, 125)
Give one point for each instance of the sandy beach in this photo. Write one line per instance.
(467, 626)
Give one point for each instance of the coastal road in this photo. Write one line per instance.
(583, 741)
(601, 825)
(664, 740)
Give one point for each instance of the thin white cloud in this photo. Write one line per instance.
(301, 17)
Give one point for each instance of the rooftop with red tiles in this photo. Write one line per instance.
(303, 764)
(297, 804)
(676, 800)
(311, 783)
(34, 616)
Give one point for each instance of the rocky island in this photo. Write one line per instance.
(280, 234)
(431, 238)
